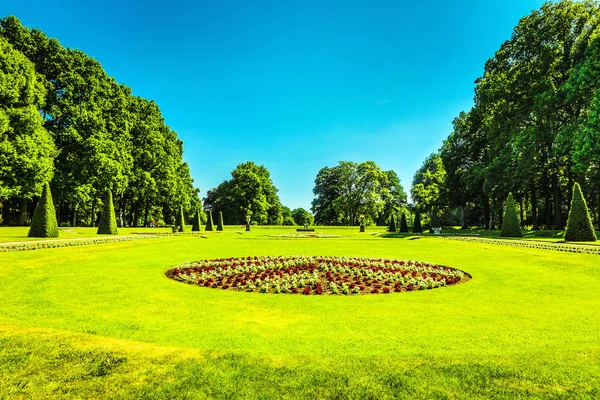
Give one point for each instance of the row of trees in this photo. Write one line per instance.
(534, 129)
(64, 120)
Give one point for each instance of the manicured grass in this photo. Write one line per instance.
(104, 321)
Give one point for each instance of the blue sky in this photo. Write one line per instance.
(294, 86)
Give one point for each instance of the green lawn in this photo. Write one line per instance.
(103, 321)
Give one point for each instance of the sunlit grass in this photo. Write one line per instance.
(103, 320)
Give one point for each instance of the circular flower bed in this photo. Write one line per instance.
(316, 275)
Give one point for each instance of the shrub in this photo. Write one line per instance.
(197, 221)
(417, 228)
(209, 222)
(108, 220)
(392, 227)
(510, 223)
(181, 220)
(403, 224)
(44, 217)
(220, 223)
(579, 225)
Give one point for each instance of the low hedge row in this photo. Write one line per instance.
(50, 244)
(571, 248)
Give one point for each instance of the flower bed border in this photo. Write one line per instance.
(321, 275)
(51, 244)
(566, 247)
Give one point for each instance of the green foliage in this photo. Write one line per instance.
(288, 221)
(220, 223)
(429, 186)
(197, 221)
(579, 225)
(27, 150)
(250, 189)
(403, 224)
(348, 190)
(209, 222)
(181, 220)
(392, 226)
(510, 222)
(103, 135)
(302, 217)
(108, 220)
(44, 218)
(417, 228)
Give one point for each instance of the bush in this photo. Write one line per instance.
(403, 224)
(220, 223)
(579, 224)
(108, 220)
(209, 222)
(181, 220)
(510, 223)
(197, 221)
(44, 217)
(417, 228)
(392, 226)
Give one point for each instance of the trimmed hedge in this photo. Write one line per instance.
(197, 221)
(510, 223)
(403, 224)
(392, 227)
(579, 224)
(209, 222)
(44, 217)
(417, 228)
(220, 223)
(108, 220)
(181, 220)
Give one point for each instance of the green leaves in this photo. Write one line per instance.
(510, 221)
(579, 225)
(44, 218)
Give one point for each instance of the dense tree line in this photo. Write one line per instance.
(64, 120)
(350, 191)
(534, 129)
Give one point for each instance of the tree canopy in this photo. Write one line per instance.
(62, 118)
(345, 192)
(249, 192)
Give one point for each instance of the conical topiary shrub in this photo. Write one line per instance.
(108, 220)
(209, 222)
(197, 221)
(44, 217)
(417, 228)
(220, 223)
(510, 221)
(392, 226)
(579, 224)
(181, 220)
(403, 224)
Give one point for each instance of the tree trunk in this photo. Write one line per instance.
(463, 218)
(521, 204)
(534, 210)
(486, 212)
(93, 215)
(74, 220)
(557, 200)
(136, 214)
(146, 212)
(500, 217)
(548, 208)
(5, 212)
(23, 212)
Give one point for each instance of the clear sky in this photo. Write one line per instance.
(293, 85)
